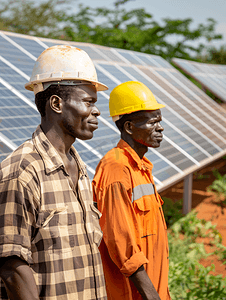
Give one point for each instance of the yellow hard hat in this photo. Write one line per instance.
(129, 97)
(63, 64)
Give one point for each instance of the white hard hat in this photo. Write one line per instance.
(63, 64)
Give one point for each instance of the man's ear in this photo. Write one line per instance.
(128, 127)
(55, 103)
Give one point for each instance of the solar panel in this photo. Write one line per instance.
(211, 77)
(6, 147)
(195, 126)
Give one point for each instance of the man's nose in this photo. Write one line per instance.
(159, 127)
(95, 111)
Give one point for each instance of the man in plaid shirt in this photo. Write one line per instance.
(49, 232)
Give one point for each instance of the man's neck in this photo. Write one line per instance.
(140, 149)
(61, 142)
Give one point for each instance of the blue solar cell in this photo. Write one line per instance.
(9, 134)
(111, 55)
(188, 112)
(16, 57)
(128, 55)
(29, 44)
(147, 59)
(161, 169)
(104, 139)
(121, 76)
(161, 62)
(14, 120)
(19, 120)
(174, 155)
(4, 150)
(106, 80)
(115, 72)
(50, 44)
(207, 75)
(91, 52)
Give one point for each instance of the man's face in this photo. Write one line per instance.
(80, 113)
(147, 129)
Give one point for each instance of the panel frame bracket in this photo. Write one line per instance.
(187, 196)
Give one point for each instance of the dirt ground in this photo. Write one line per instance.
(204, 203)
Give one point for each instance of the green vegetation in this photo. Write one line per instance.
(188, 279)
(133, 30)
(172, 210)
(219, 188)
(214, 56)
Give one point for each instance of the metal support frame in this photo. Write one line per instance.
(187, 199)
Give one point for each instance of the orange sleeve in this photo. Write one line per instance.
(120, 228)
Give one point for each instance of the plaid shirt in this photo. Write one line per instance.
(46, 223)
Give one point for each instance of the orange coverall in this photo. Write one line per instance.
(133, 224)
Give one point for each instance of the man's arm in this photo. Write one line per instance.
(18, 279)
(144, 285)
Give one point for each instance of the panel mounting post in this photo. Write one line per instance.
(187, 199)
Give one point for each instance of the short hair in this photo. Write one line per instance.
(41, 98)
(127, 117)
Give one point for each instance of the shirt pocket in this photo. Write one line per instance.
(97, 232)
(54, 230)
(146, 215)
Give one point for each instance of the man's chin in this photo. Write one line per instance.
(86, 136)
(156, 145)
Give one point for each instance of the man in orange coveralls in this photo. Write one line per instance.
(134, 249)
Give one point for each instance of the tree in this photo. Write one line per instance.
(136, 30)
(24, 16)
(132, 30)
(214, 56)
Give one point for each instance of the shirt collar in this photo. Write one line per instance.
(49, 154)
(142, 164)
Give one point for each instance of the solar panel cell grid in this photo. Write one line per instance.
(28, 44)
(14, 119)
(201, 95)
(186, 105)
(161, 62)
(16, 57)
(131, 58)
(194, 124)
(103, 78)
(111, 55)
(161, 169)
(165, 173)
(146, 60)
(50, 44)
(91, 52)
(4, 151)
(182, 142)
(210, 76)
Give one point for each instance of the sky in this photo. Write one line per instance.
(198, 10)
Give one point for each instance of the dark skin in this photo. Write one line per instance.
(63, 123)
(143, 131)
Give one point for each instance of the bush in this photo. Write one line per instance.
(219, 188)
(172, 210)
(188, 279)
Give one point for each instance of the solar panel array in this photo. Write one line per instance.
(195, 126)
(211, 77)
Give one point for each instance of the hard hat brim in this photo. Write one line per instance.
(138, 108)
(98, 85)
(153, 107)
